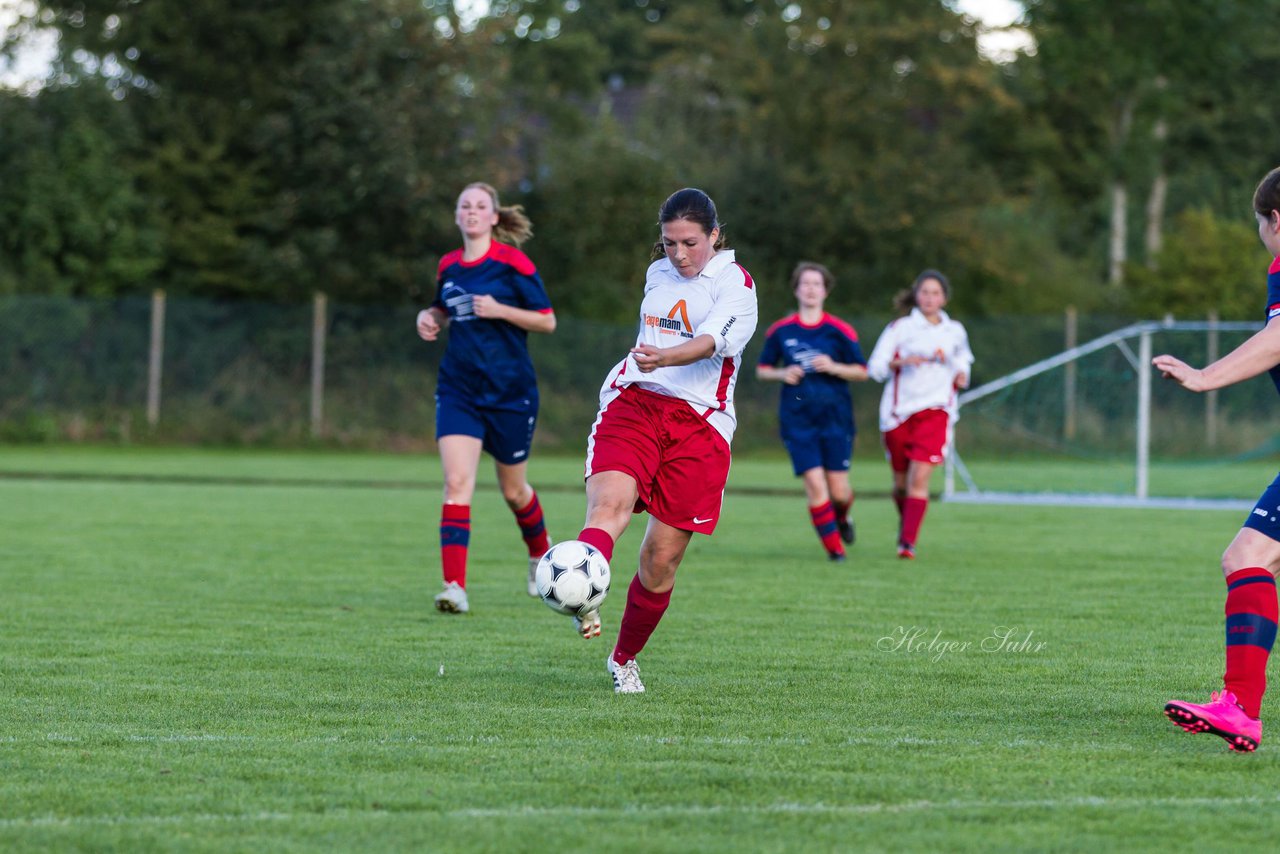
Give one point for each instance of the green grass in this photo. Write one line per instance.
(197, 661)
(1168, 478)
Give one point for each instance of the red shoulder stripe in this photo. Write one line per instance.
(750, 283)
(448, 260)
(846, 328)
(1275, 266)
(778, 324)
(513, 257)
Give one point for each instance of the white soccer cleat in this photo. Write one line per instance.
(587, 625)
(452, 600)
(626, 677)
(533, 572)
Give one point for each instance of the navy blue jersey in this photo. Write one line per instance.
(820, 400)
(487, 361)
(1273, 309)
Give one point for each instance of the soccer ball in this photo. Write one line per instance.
(572, 577)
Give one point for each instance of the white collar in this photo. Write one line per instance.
(918, 316)
(714, 267)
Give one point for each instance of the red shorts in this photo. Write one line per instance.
(922, 437)
(679, 462)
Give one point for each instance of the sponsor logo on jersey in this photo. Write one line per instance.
(671, 324)
(459, 303)
(801, 354)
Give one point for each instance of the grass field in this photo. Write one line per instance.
(236, 651)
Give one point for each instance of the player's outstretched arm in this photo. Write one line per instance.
(790, 374)
(824, 364)
(1259, 353)
(649, 358)
(487, 307)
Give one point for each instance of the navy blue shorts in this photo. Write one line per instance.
(507, 434)
(812, 449)
(1265, 515)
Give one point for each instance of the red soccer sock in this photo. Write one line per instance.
(599, 538)
(455, 537)
(842, 507)
(533, 528)
(913, 510)
(641, 616)
(824, 522)
(1251, 612)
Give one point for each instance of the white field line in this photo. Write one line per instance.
(641, 811)
(463, 741)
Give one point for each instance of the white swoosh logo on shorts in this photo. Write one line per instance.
(698, 521)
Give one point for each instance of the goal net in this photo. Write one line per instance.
(1096, 424)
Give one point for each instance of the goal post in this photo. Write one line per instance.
(1031, 419)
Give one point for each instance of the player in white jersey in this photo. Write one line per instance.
(661, 440)
(923, 359)
(676, 310)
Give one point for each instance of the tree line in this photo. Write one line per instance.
(268, 150)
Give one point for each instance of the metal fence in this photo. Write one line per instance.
(150, 369)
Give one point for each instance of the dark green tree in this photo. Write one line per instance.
(1139, 95)
(831, 131)
(287, 149)
(71, 220)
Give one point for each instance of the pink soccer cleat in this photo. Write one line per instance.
(1220, 716)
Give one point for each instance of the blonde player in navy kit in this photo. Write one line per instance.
(661, 440)
(815, 355)
(490, 297)
(1253, 557)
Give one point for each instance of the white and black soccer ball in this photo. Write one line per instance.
(572, 577)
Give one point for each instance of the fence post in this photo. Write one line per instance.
(155, 361)
(1211, 397)
(1069, 376)
(1144, 414)
(319, 323)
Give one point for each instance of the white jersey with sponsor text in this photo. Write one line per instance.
(915, 388)
(720, 302)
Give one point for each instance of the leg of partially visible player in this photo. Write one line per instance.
(925, 444)
(1249, 565)
(611, 500)
(837, 454)
(822, 512)
(647, 600)
(900, 496)
(523, 501)
(914, 505)
(459, 459)
(895, 443)
(841, 492)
